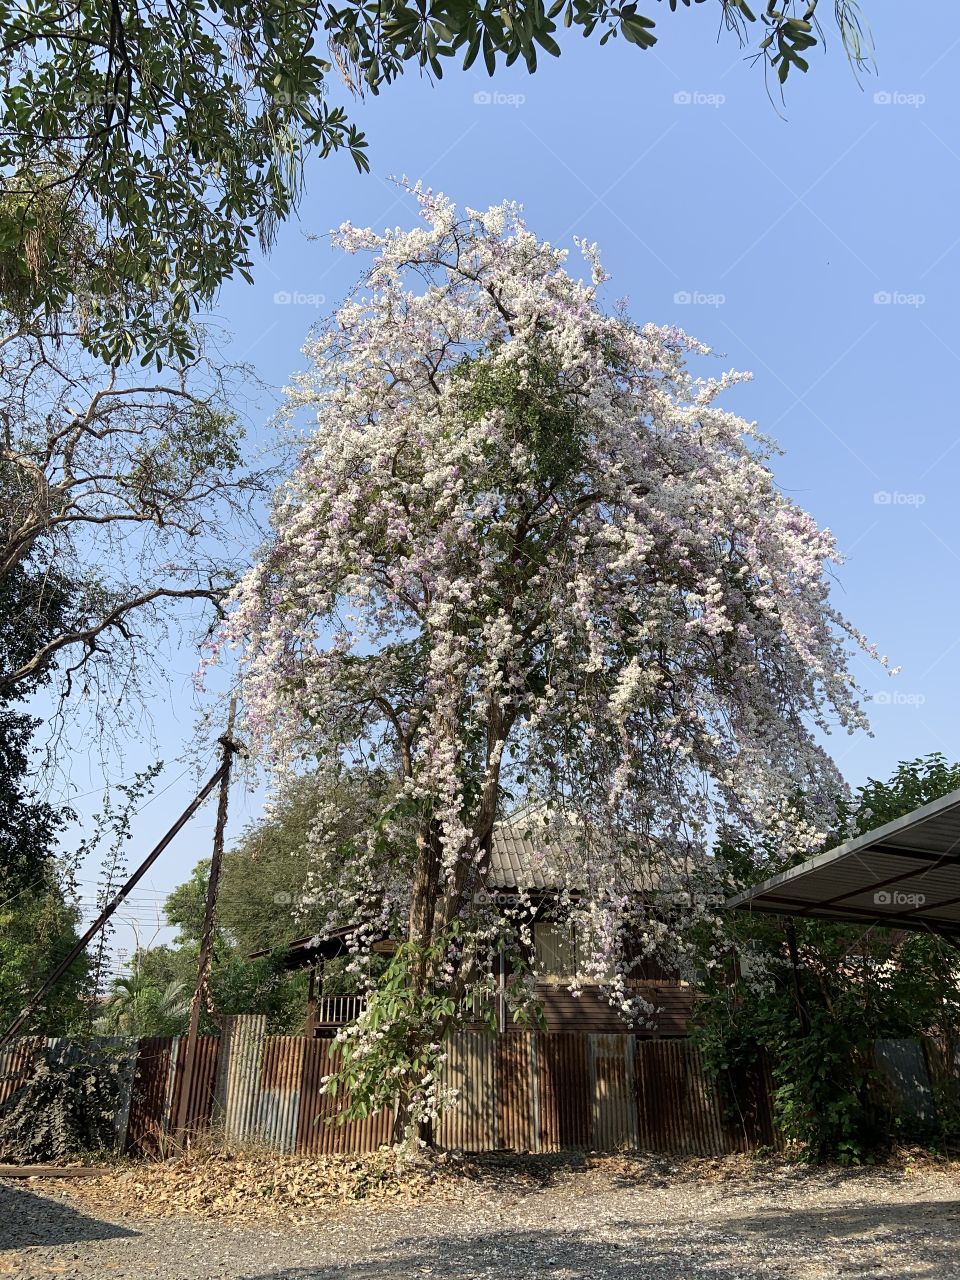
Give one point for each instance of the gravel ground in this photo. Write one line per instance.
(606, 1222)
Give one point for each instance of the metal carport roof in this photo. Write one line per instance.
(905, 875)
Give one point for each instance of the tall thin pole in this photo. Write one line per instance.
(209, 920)
(111, 907)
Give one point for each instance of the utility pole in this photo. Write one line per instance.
(189, 1046)
(77, 949)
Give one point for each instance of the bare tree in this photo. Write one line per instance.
(124, 503)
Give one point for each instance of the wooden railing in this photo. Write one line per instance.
(335, 1011)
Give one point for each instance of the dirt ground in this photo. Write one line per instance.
(574, 1219)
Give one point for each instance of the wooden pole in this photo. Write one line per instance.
(209, 920)
(110, 908)
(311, 1022)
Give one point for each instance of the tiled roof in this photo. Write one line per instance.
(526, 854)
(516, 862)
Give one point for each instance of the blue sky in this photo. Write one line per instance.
(821, 252)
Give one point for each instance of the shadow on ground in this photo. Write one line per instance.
(921, 1239)
(876, 1220)
(29, 1219)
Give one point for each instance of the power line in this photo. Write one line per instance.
(121, 783)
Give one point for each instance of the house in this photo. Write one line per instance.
(521, 867)
(523, 870)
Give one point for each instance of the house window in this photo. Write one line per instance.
(555, 951)
(559, 956)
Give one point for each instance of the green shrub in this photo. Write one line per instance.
(65, 1105)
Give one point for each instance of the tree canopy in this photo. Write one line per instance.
(38, 926)
(29, 822)
(120, 492)
(269, 887)
(137, 1006)
(269, 894)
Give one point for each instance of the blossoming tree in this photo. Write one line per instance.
(524, 554)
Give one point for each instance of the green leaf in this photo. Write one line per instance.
(472, 50)
(489, 57)
(547, 42)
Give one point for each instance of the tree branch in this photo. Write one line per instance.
(88, 636)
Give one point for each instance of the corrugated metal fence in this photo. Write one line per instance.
(158, 1084)
(526, 1091)
(610, 1092)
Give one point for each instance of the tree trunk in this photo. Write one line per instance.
(426, 889)
(434, 909)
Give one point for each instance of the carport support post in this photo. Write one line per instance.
(206, 942)
(795, 965)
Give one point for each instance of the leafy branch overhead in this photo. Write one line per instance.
(177, 135)
(379, 39)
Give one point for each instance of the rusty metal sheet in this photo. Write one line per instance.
(149, 1116)
(564, 1091)
(319, 1131)
(614, 1092)
(678, 1107)
(315, 1107)
(200, 1101)
(518, 1127)
(470, 1069)
(530, 1091)
(368, 1134)
(16, 1062)
(279, 1091)
(943, 1059)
